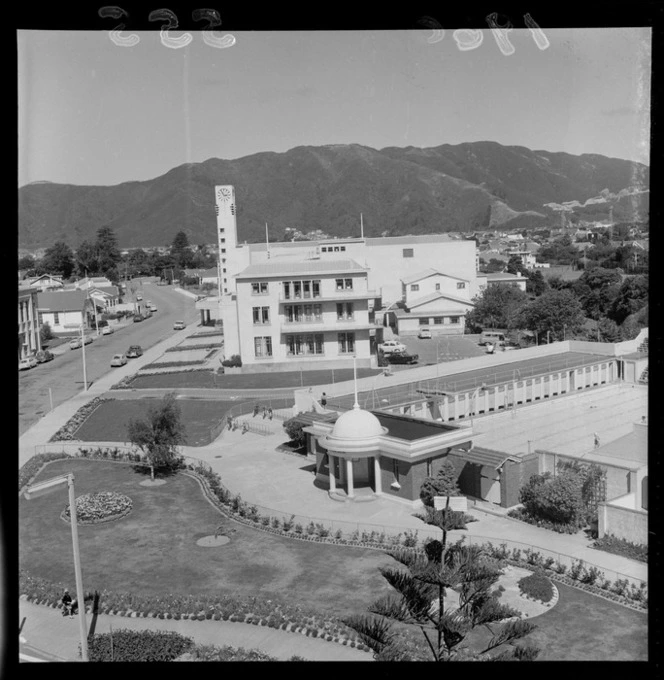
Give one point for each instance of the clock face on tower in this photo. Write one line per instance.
(224, 194)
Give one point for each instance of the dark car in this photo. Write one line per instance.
(138, 317)
(43, 355)
(402, 358)
(134, 351)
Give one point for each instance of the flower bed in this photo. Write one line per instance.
(187, 348)
(95, 508)
(537, 587)
(69, 429)
(171, 364)
(619, 546)
(522, 515)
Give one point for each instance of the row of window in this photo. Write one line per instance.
(439, 320)
(304, 344)
(303, 313)
(294, 290)
(416, 286)
(336, 249)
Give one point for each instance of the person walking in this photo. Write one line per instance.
(596, 436)
(323, 400)
(68, 604)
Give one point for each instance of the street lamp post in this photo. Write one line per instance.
(85, 377)
(40, 489)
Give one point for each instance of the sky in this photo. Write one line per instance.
(92, 112)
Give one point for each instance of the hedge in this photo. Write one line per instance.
(138, 645)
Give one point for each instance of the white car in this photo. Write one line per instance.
(391, 346)
(424, 333)
(25, 364)
(179, 326)
(139, 297)
(118, 360)
(107, 330)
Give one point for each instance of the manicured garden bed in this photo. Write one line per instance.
(108, 422)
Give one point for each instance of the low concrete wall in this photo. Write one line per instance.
(627, 523)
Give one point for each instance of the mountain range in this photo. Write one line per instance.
(464, 187)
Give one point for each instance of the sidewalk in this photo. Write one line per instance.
(46, 629)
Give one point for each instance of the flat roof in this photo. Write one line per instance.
(409, 428)
(300, 267)
(517, 370)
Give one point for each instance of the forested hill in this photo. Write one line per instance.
(409, 190)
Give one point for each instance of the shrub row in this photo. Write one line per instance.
(207, 334)
(30, 469)
(227, 653)
(578, 575)
(69, 429)
(126, 382)
(524, 516)
(138, 645)
(620, 546)
(186, 348)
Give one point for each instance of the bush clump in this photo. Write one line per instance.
(536, 586)
(138, 645)
(620, 546)
(234, 362)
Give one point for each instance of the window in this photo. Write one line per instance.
(438, 320)
(454, 319)
(344, 311)
(415, 287)
(424, 321)
(336, 249)
(437, 286)
(223, 250)
(297, 289)
(348, 283)
(343, 248)
(261, 315)
(263, 347)
(306, 288)
(408, 252)
(56, 318)
(257, 288)
(298, 345)
(340, 284)
(315, 285)
(324, 249)
(461, 284)
(346, 343)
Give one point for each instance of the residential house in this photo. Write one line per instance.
(29, 341)
(45, 282)
(502, 278)
(64, 311)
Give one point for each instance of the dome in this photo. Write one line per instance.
(357, 424)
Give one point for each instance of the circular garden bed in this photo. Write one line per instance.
(95, 508)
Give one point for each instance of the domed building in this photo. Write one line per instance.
(363, 454)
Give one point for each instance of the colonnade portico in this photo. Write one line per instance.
(349, 476)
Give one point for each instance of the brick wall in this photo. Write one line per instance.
(514, 476)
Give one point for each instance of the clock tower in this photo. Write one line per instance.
(226, 235)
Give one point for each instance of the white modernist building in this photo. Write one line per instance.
(310, 304)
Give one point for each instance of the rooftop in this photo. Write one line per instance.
(300, 267)
(426, 273)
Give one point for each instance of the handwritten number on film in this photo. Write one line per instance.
(210, 16)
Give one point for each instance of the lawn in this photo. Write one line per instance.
(205, 379)
(108, 423)
(154, 550)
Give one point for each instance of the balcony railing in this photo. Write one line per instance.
(345, 294)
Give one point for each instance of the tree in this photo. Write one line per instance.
(159, 434)
(58, 259)
(556, 499)
(596, 289)
(560, 251)
(495, 307)
(180, 249)
(422, 602)
(557, 312)
(45, 332)
(536, 284)
(444, 483)
(108, 254)
(514, 265)
(86, 259)
(631, 297)
(295, 432)
(26, 262)
(608, 331)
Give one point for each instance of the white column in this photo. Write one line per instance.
(378, 484)
(349, 478)
(446, 409)
(486, 401)
(456, 406)
(330, 466)
(567, 381)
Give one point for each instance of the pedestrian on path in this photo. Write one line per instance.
(596, 436)
(323, 400)
(69, 605)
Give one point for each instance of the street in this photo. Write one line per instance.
(63, 377)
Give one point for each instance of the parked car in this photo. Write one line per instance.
(134, 351)
(43, 356)
(107, 330)
(424, 333)
(138, 317)
(152, 307)
(391, 346)
(118, 360)
(75, 343)
(402, 358)
(492, 337)
(139, 297)
(88, 339)
(179, 326)
(25, 364)
(147, 313)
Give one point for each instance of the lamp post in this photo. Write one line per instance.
(43, 488)
(85, 378)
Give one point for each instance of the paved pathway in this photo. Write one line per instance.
(46, 630)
